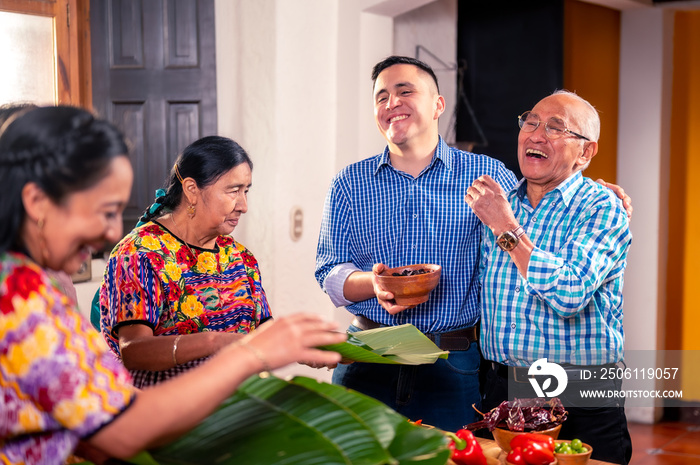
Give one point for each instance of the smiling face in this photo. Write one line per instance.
(223, 202)
(407, 106)
(546, 162)
(86, 220)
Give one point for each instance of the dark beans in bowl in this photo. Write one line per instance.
(412, 272)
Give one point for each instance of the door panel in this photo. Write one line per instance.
(154, 75)
(181, 43)
(130, 117)
(182, 119)
(126, 40)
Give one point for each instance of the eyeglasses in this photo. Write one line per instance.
(554, 128)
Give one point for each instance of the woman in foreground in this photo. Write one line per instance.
(66, 179)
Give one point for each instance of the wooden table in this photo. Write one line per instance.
(495, 455)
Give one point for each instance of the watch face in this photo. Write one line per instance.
(507, 241)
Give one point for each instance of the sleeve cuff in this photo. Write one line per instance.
(335, 281)
(541, 269)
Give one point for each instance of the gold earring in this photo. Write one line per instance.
(191, 210)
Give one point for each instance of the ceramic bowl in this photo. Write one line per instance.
(413, 289)
(503, 436)
(574, 459)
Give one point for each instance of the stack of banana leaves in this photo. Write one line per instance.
(303, 421)
(402, 344)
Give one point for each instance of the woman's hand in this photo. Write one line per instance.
(273, 345)
(295, 338)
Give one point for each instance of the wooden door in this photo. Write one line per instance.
(154, 76)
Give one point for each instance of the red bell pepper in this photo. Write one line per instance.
(515, 456)
(465, 450)
(537, 453)
(522, 440)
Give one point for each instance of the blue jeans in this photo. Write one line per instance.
(440, 394)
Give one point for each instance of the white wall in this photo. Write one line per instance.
(433, 27)
(275, 62)
(646, 53)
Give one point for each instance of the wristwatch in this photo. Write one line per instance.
(508, 240)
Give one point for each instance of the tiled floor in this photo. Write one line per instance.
(665, 443)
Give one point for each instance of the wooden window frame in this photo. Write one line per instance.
(72, 28)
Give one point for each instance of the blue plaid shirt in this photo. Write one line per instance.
(569, 309)
(376, 214)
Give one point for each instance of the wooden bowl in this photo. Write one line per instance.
(574, 459)
(410, 290)
(503, 436)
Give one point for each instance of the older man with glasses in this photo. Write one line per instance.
(554, 252)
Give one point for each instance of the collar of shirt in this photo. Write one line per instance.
(567, 189)
(441, 153)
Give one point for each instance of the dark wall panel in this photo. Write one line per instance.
(511, 56)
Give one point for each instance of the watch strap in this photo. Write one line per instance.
(519, 232)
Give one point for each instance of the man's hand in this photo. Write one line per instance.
(489, 203)
(620, 192)
(385, 298)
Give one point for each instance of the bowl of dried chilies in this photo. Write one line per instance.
(519, 416)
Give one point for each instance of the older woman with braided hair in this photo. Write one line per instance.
(66, 178)
(178, 287)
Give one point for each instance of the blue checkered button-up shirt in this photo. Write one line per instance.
(376, 214)
(569, 309)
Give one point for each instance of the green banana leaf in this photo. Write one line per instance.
(143, 458)
(395, 345)
(408, 443)
(303, 421)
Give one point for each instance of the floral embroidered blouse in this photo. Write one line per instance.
(58, 380)
(154, 278)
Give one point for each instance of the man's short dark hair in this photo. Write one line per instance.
(400, 60)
